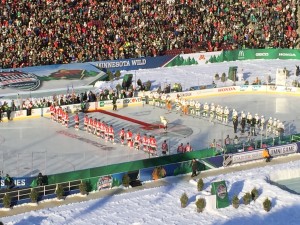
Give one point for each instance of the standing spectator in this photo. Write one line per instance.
(227, 140)
(40, 179)
(9, 182)
(266, 155)
(194, 165)
(180, 148)
(188, 148)
(164, 147)
(114, 102)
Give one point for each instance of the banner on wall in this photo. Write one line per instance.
(70, 76)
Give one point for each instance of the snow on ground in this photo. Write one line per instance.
(161, 205)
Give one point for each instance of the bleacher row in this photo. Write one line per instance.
(48, 32)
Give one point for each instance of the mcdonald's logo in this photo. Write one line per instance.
(241, 55)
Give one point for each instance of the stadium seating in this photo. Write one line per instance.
(44, 32)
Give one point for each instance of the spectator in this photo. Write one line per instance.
(194, 165)
(54, 32)
(227, 140)
(41, 180)
(180, 148)
(9, 182)
(188, 148)
(266, 155)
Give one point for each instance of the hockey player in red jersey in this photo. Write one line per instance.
(86, 122)
(66, 118)
(145, 143)
(137, 141)
(111, 134)
(129, 138)
(122, 136)
(76, 119)
(90, 124)
(153, 145)
(98, 127)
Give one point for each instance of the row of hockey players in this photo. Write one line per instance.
(161, 100)
(101, 129)
(272, 126)
(105, 131)
(60, 115)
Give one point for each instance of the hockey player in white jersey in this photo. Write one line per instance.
(262, 123)
(226, 115)
(234, 113)
(192, 107)
(163, 100)
(274, 126)
(221, 113)
(212, 112)
(205, 109)
(269, 125)
(249, 119)
(197, 108)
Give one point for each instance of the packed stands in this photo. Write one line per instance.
(43, 32)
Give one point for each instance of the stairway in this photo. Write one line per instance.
(298, 29)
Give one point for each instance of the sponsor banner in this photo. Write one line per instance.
(249, 54)
(227, 89)
(70, 76)
(219, 189)
(133, 64)
(245, 88)
(256, 87)
(20, 182)
(153, 173)
(283, 150)
(195, 59)
(257, 154)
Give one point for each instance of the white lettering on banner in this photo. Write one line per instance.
(257, 154)
(226, 89)
(114, 64)
(287, 54)
(283, 150)
(247, 156)
(261, 54)
(124, 63)
(139, 62)
(17, 182)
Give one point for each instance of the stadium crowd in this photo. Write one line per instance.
(43, 32)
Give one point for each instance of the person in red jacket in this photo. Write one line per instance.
(180, 148)
(188, 148)
(76, 119)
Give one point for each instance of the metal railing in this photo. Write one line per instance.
(43, 191)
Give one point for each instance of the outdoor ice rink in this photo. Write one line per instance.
(41, 145)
